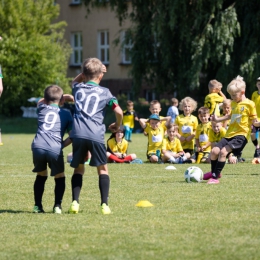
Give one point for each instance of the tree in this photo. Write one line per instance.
(33, 53)
(181, 45)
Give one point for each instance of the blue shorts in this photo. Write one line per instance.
(42, 158)
(80, 149)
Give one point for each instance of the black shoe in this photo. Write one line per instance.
(257, 153)
(188, 161)
(240, 159)
(37, 209)
(160, 161)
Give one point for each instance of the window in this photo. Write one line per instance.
(76, 44)
(126, 48)
(150, 95)
(76, 1)
(103, 46)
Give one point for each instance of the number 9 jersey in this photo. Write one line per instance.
(53, 122)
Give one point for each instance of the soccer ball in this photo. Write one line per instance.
(193, 174)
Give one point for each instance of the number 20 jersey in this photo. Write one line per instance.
(91, 101)
(52, 124)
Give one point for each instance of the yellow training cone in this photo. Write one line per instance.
(144, 204)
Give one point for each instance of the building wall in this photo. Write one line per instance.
(117, 78)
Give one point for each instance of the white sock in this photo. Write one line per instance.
(172, 160)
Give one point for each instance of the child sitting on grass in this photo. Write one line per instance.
(155, 108)
(155, 134)
(172, 151)
(187, 124)
(117, 148)
(202, 136)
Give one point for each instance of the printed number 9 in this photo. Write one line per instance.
(50, 120)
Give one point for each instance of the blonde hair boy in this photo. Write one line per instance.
(243, 114)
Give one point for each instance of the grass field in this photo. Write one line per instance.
(188, 221)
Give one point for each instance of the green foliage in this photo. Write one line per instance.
(187, 222)
(181, 45)
(33, 53)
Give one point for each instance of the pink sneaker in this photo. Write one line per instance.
(213, 181)
(208, 175)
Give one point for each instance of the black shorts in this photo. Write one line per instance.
(236, 143)
(191, 151)
(255, 129)
(43, 157)
(80, 149)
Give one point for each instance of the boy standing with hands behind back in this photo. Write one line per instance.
(129, 117)
(88, 132)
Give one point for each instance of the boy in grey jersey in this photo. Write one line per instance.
(48, 143)
(88, 130)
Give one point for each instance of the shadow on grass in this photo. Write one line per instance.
(13, 211)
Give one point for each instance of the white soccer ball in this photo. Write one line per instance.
(193, 174)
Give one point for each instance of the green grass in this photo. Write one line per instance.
(188, 221)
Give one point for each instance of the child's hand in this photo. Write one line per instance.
(182, 139)
(114, 127)
(104, 69)
(214, 118)
(145, 133)
(232, 159)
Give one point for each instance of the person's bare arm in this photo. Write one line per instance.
(222, 94)
(114, 127)
(215, 118)
(142, 122)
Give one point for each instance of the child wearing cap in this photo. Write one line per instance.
(155, 108)
(155, 134)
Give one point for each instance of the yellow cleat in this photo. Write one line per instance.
(74, 207)
(105, 209)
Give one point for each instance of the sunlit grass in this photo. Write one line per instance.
(188, 221)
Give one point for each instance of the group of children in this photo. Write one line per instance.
(171, 139)
(217, 139)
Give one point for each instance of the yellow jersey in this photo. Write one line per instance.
(256, 98)
(155, 138)
(129, 118)
(202, 134)
(187, 126)
(115, 147)
(211, 101)
(216, 137)
(242, 114)
(173, 146)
